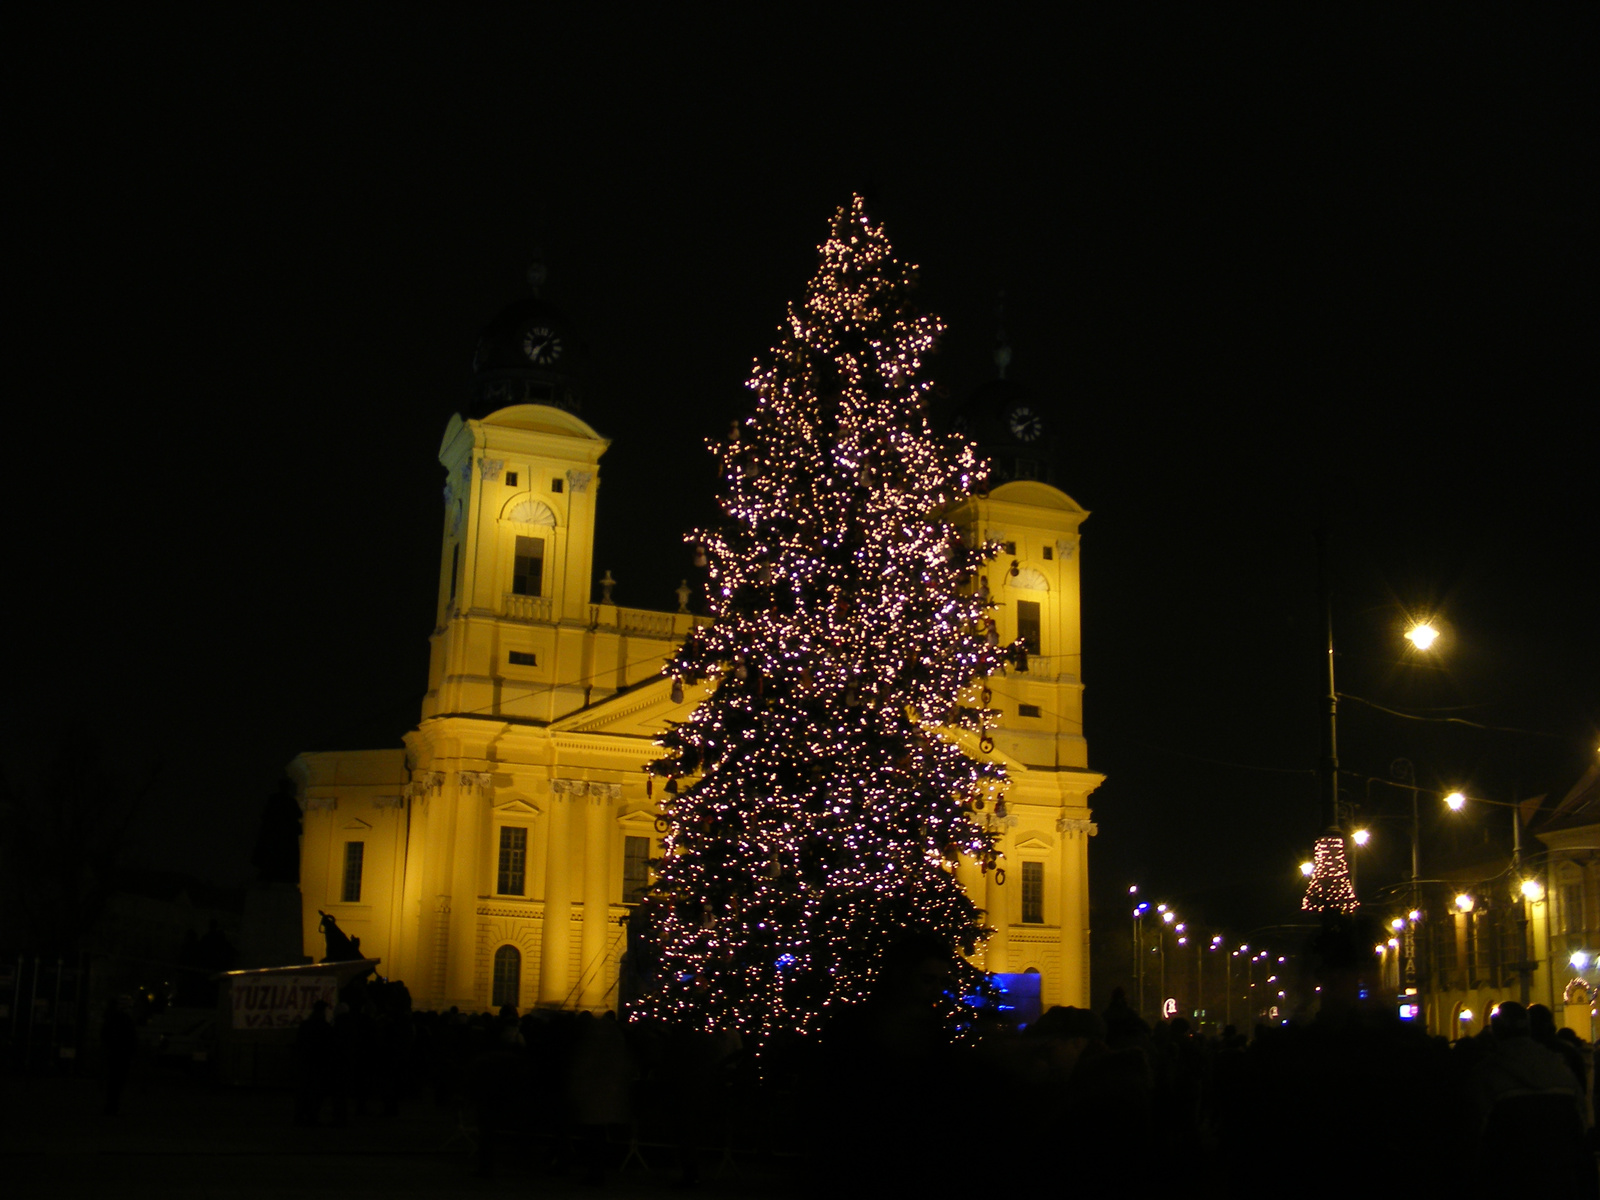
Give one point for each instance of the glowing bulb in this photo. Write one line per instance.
(1397, 924)
(1169, 916)
(1361, 837)
(1579, 960)
(1533, 889)
(1466, 1014)
(1306, 868)
(1464, 902)
(1422, 635)
(1455, 801)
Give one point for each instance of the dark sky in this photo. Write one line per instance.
(1260, 277)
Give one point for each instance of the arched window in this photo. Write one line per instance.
(507, 977)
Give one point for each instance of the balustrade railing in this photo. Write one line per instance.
(526, 608)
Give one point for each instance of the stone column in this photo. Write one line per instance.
(556, 940)
(596, 890)
(1074, 910)
(999, 916)
(473, 790)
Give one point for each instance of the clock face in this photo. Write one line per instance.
(1026, 425)
(541, 345)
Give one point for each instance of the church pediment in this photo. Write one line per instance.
(517, 808)
(640, 711)
(1034, 841)
(356, 823)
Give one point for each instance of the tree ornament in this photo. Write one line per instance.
(677, 690)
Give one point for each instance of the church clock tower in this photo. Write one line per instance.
(1040, 913)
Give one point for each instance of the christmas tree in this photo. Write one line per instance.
(831, 795)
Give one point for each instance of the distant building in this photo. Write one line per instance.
(1489, 933)
(496, 857)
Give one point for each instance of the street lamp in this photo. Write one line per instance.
(1422, 635)
(1455, 801)
(1139, 911)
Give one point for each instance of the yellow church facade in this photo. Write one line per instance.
(494, 859)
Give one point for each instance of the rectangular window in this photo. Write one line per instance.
(1008, 547)
(1444, 943)
(1027, 710)
(353, 852)
(520, 658)
(527, 573)
(1028, 624)
(557, 484)
(635, 868)
(511, 479)
(1572, 908)
(1049, 553)
(1483, 946)
(1033, 893)
(513, 861)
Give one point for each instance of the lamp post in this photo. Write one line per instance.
(1167, 918)
(1138, 945)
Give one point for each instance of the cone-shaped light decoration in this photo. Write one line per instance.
(1330, 889)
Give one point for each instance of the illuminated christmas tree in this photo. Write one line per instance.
(831, 797)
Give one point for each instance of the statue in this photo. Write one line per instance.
(340, 946)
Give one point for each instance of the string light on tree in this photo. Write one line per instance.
(1330, 889)
(838, 766)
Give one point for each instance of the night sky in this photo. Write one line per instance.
(1259, 277)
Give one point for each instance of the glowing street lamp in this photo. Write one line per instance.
(1465, 902)
(1533, 890)
(1307, 867)
(1361, 837)
(1455, 801)
(1579, 960)
(1422, 635)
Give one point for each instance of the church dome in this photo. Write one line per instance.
(528, 354)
